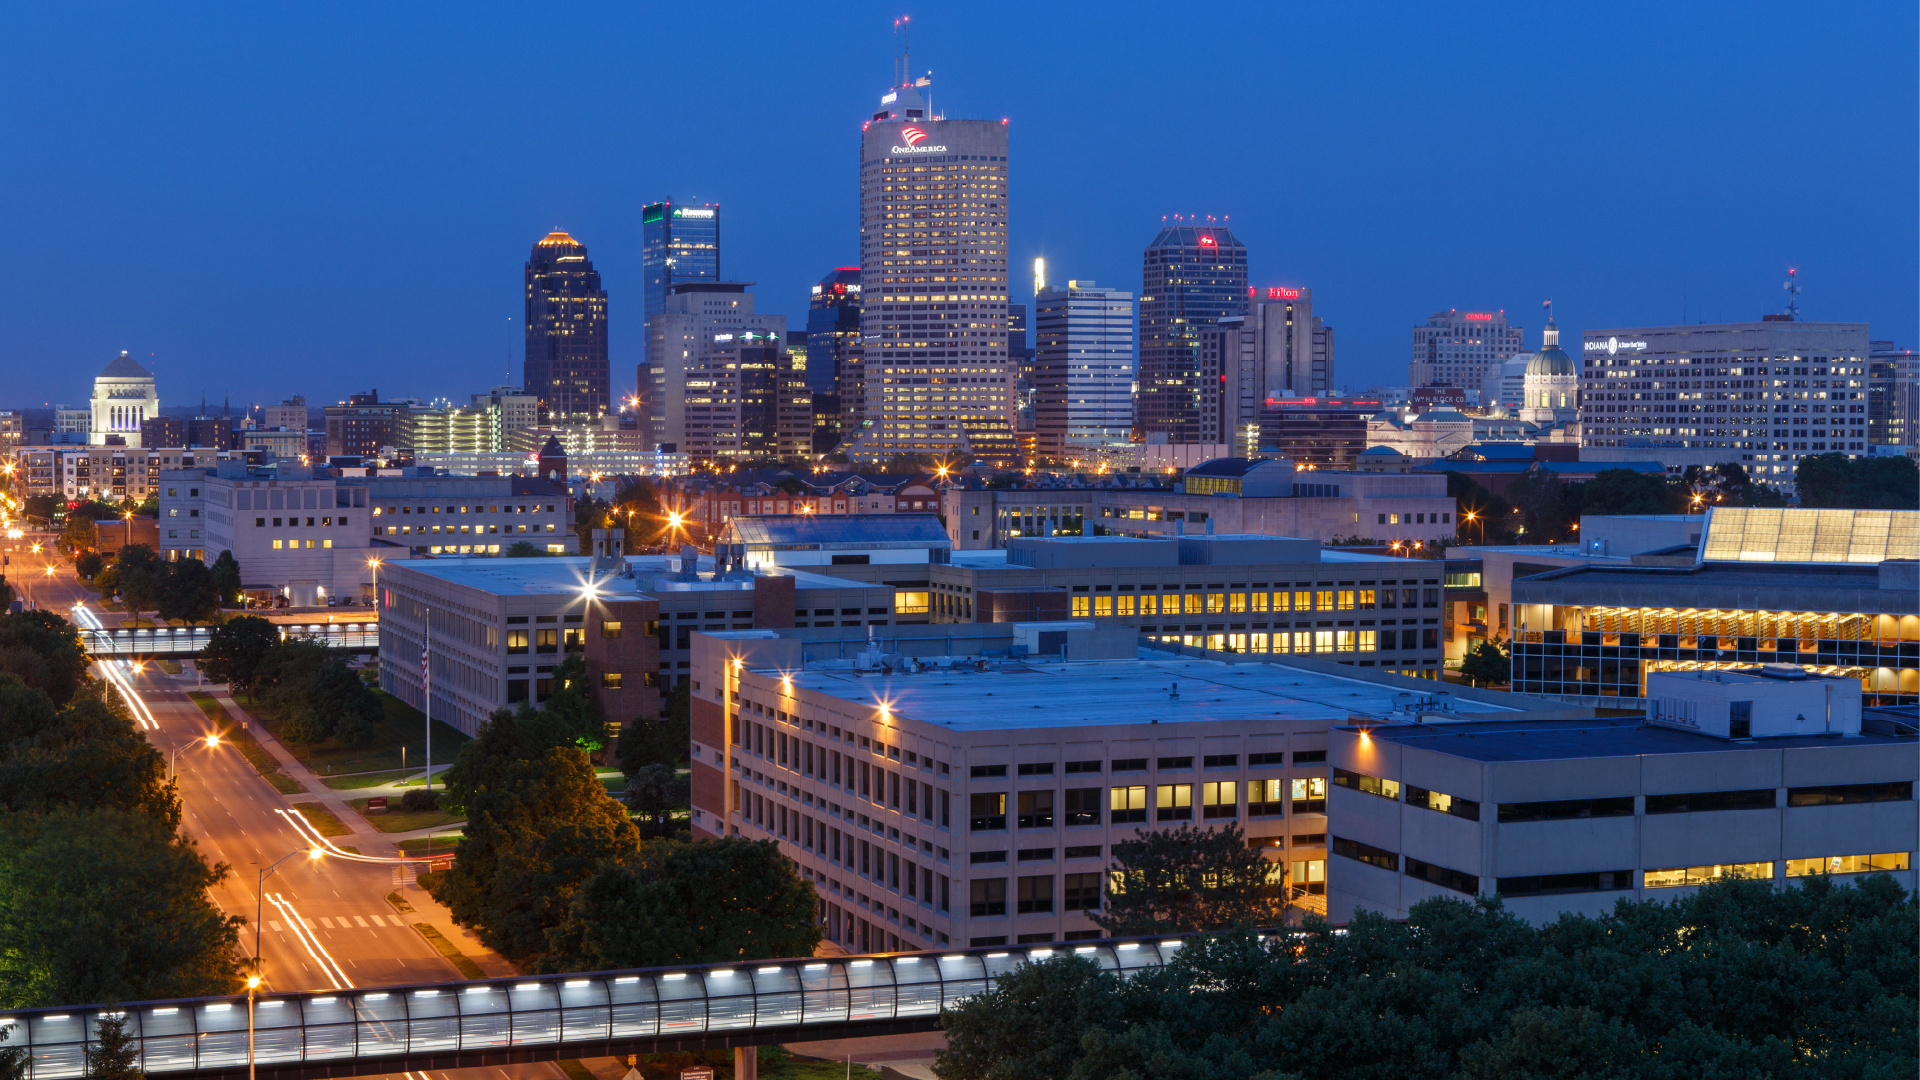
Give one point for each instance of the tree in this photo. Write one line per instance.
(79, 533)
(1869, 483)
(1481, 516)
(1739, 979)
(226, 579)
(89, 755)
(141, 576)
(650, 740)
(310, 689)
(523, 549)
(44, 650)
(88, 564)
(1488, 663)
(676, 901)
(103, 905)
(236, 648)
(6, 594)
(539, 822)
(1040, 1012)
(13, 1059)
(653, 793)
(573, 709)
(1184, 879)
(1540, 498)
(113, 1055)
(40, 507)
(1625, 491)
(188, 592)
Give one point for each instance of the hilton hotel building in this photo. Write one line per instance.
(933, 263)
(1760, 393)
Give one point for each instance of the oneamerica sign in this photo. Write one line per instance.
(919, 149)
(1613, 345)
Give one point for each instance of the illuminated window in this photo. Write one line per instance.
(1702, 875)
(1322, 641)
(1173, 802)
(1849, 864)
(1220, 799)
(910, 603)
(1216, 603)
(1149, 604)
(1192, 603)
(1125, 605)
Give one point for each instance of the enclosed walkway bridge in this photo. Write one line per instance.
(503, 1021)
(123, 643)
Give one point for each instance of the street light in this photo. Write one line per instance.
(210, 741)
(258, 903)
(253, 984)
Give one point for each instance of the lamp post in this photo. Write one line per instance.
(210, 741)
(259, 906)
(253, 984)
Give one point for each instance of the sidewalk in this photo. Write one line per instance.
(367, 839)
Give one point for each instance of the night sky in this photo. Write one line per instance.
(264, 201)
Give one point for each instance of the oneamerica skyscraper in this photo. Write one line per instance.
(933, 270)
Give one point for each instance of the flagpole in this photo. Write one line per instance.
(426, 686)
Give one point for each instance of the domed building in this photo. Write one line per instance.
(1551, 386)
(123, 397)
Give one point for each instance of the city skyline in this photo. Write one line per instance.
(1630, 242)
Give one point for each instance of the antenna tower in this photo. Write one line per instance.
(1792, 285)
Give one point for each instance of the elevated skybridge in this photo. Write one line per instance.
(504, 1021)
(128, 643)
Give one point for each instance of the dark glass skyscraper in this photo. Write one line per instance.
(1194, 276)
(566, 365)
(677, 243)
(833, 357)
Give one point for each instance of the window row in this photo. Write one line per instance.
(1131, 804)
(1623, 805)
(1164, 764)
(1123, 605)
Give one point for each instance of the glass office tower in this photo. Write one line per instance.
(833, 357)
(566, 328)
(1194, 275)
(677, 243)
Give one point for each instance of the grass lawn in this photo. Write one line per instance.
(443, 844)
(366, 780)
(402, 726)
(398, 820)
(243, 740)
(322, 819)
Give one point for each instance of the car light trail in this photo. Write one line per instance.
(307, 938)
(312, 836)
(115, 672)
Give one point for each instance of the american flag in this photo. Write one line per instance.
(425, 672)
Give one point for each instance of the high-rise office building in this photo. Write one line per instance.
(834, 378)
(508, 410)
(677, 244)
(1893, 395)
(1083, 368)
(1296, 346)
(1763, 394)
(290, 414)
(698, 316)
(933, 269)
(566, 366)
(1458, 348)
(745, 398)
(1194, 276)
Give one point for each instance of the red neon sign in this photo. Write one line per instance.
(1283, 294)
(1207, 240)
(1473, 316)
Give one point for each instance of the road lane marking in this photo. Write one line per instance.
(360, 920)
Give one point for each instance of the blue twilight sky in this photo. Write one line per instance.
(268, 199)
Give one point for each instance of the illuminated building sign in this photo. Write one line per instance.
(1207, 241)
(1283, 294)
(691, 213)
(914, 137)
(1613, 345)
(1475, 316)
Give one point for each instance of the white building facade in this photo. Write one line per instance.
(123, 397)
(1458, 348)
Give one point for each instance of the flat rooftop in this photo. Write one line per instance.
(555, 575)
(1567, 740)
(1016, 695)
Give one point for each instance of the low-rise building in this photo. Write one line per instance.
(510, 622)
(313, 535)
(966, 784)
(1237, 495)
(1253, 594)
(1834, 590)
(1763, 773)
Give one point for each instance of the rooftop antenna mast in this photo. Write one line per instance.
(1792, 285)
(902, 57)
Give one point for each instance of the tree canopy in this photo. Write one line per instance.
(1185, 879)
(226, 579)
(1866, 483)
(1739, 979)
(1488, 663)
(44, 650)
(235, 649)
(311, 691)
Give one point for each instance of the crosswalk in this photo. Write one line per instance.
(342, 922)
